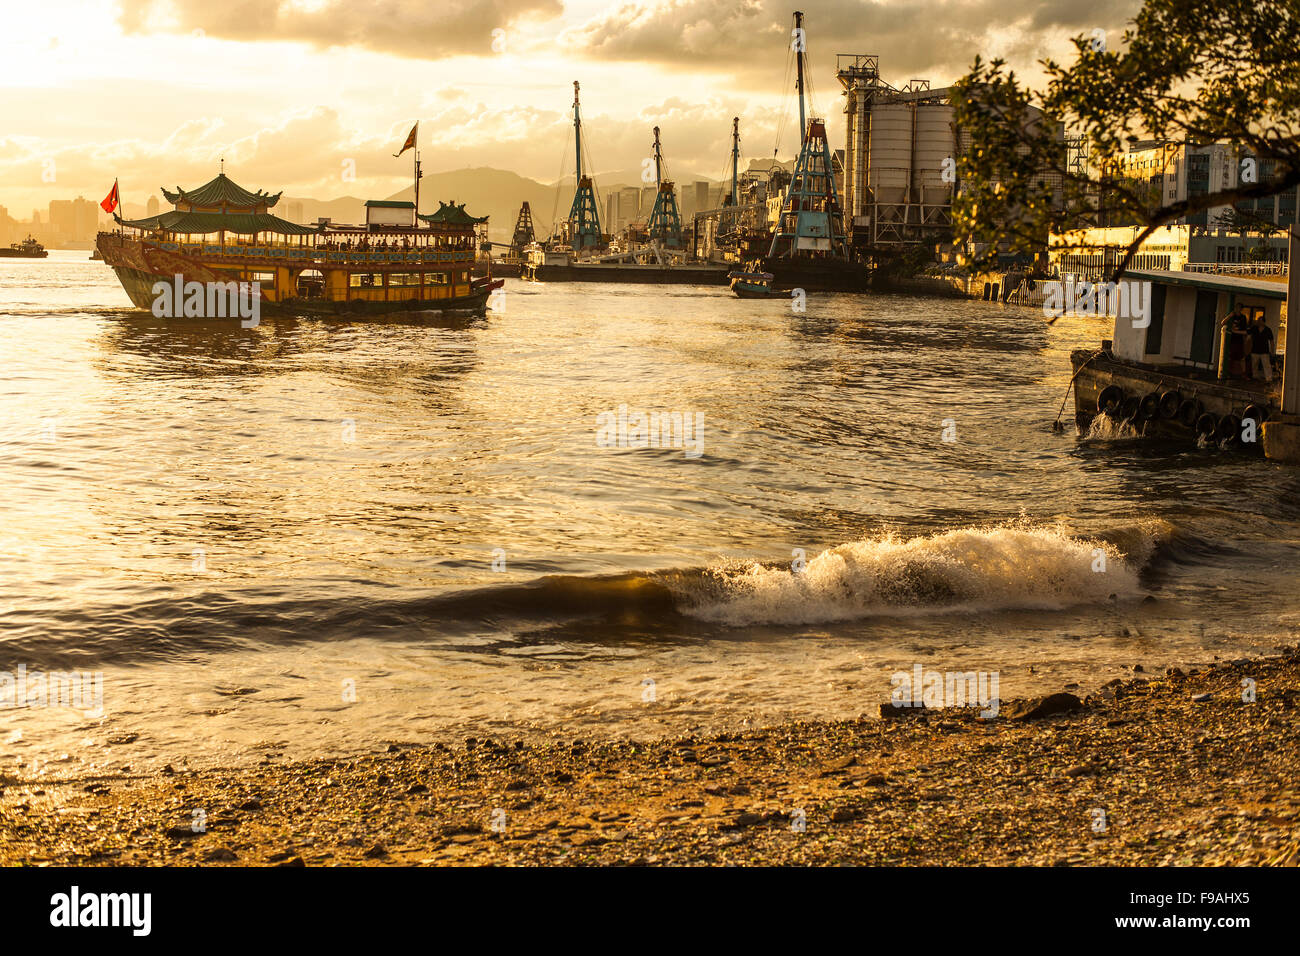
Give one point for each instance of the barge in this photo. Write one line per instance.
(1167, 371)
(648, 265)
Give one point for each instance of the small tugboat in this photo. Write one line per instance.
(29, 248)
(754, 285)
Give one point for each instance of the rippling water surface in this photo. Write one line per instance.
(245, 529)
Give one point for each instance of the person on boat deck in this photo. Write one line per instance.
(1261, 350)
(1237, 328)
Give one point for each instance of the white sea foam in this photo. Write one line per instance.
(1104, 428)
(971, 569)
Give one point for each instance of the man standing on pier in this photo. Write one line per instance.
(1261, 350)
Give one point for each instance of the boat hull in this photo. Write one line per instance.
(1095, 372)
(756, 292)
(15, 254)
(139, 287)
(500, 270)
(140, 268)
(654, 275)
(817, 275)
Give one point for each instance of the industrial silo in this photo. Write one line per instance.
(934, 150)
(891, 152)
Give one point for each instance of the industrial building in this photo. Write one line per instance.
(1174, 172)
(900, 160)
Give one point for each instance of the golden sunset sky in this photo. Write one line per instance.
(155, 91)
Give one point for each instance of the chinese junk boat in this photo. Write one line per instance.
(220, 232)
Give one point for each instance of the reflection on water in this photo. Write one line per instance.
(422, 506)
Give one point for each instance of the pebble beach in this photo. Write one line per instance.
(1182, 768)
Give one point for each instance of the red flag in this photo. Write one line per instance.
(111, 200)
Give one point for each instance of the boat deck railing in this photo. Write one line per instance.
(1238, 268)
(311, 254)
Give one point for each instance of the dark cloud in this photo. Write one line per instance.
(926, 38)
(411, 28)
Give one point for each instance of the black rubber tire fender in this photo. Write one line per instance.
(1190, 410)
(1228, 428)
(1170, 402)
(1110, 400)
(1206, 424)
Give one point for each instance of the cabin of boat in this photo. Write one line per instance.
(1167, 370)
(221, 232)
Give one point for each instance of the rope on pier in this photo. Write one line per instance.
(1056, 425)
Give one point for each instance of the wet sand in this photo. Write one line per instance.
(1181, 779)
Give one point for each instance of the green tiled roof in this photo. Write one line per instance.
(450, 214)
(240, 223)
(223, 189)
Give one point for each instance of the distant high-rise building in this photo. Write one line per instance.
(629, 204)
(85, 219)
(294, 211)
(62, 219)
(612, 223)
(73, 220)
(151, 207)
(701, 196)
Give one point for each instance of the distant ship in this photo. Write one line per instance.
(29, 248)
(809, 250)
(646, 264)
(582, 253)
(397, 261)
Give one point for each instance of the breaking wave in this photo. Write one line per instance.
(993, 569)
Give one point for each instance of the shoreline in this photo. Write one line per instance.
(1181, 779)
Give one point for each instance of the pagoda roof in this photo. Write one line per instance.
(453, 215)
(219, 191)
(204, 222)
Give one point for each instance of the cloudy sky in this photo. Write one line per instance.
(295, 93)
